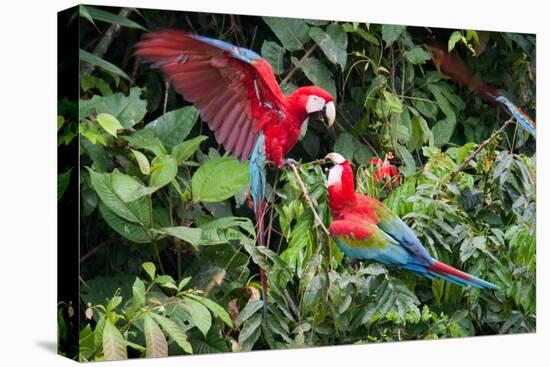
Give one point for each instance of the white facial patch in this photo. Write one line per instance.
(314, 104)
(335, 175)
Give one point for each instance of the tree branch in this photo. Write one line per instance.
(297, 66)
(103, 45)
(478, 150)
(309, 201)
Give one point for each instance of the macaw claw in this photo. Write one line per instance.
(289, 162)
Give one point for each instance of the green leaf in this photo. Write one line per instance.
(91, 132)
(135, 212)
(129, 188)
(150, 269)
(273, 53)
(163, 171)
(83, 12)
(390, 33)
(128, 110)
(104, 16)
(114, 347)
(293, 33)
(406, 156)
(142, 161)
(417, 55)
(183, 283)
(187, 234)
(219, 179)
(109, 123)
(155, 341)
(132, 231)
(249, 327)
(455, 37)
(443, 131)
(333, 42)
(215, 308)
(174, 331)
(200, 316)
(90, 58)
(138, 292)
(185, 150)
(174, 126)
(63, 182)
(249, 310)
(146, 140)
(317, 73)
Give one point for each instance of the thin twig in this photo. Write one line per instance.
(94, 250)
(297, 66)
(309, 201)
(103, 44)
(479, 149)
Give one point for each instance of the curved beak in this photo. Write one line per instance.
(330, 113)
(335, 158)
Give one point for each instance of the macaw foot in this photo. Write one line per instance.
(289, 162)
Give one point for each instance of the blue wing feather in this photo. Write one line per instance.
(239, 53)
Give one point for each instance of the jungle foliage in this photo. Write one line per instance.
(168, 258)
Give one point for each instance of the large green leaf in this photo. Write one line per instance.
(333, 42)
(155, 341)
(163, 171)
(136, 211)
(187, 234)
(114, 347)
(174, 331)
(146, 140)
(200, 316)
(293, 33)
(443, 131)
(128, 110)
(90, 58)
(219, 179)
(185, 150)
(215, 308)
(132, 231)
(247, 312)
(417, 55)
(109, 123)
(317, 73)
(129, 188)
(174, 126)
(390, 33)
(406, 156)
(273, 53)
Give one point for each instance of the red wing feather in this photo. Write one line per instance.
(229, 92)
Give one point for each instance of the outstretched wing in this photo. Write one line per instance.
(232, 87)
(362, 240)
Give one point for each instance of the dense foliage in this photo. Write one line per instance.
(168, 258)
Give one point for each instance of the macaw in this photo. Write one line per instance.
(365, 229)
(455, 68)
(238, 96)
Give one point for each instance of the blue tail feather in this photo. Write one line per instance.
(518, 114)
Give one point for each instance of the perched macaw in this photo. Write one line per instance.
(454, 67)
(238, 96)
(365, 229)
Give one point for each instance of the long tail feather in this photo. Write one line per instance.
(453, 275)
(520, 116)
(257, 185)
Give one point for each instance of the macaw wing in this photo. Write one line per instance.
(362, 240)
(394, 226)
(232, 87)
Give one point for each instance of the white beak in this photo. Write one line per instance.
(336, 158)
(330, 111)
